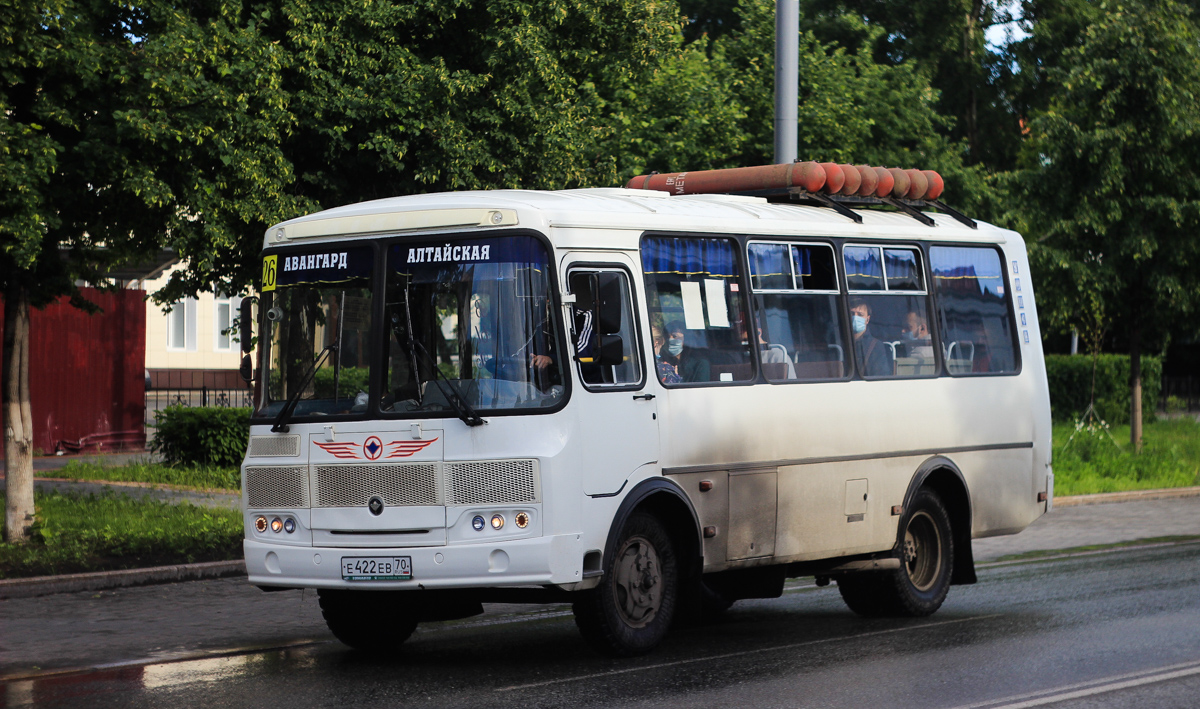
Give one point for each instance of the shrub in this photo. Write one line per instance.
(351, 380)
(202, 435)
(1070, 379)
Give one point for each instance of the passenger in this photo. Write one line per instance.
(776, 354)
(688, 362)
(667, 372)
(916, 336)
(874, 358)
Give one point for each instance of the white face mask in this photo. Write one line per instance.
(859, 323)
(675, 346)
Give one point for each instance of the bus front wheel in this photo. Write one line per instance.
(374, 621)
(631, 610)
(919, 586)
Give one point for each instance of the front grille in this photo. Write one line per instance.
(276, 486)
(274, 446)
(491, 482)
(355, 485)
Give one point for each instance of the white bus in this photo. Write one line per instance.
(646, 404)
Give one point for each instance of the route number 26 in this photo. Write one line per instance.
(268, 276)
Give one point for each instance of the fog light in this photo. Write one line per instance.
(276, 525)
(497, 521)
(522, 520)
(289, 525)
(260, 524)
(478, 523)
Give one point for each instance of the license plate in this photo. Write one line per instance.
(376, 568)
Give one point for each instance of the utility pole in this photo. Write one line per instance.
(787, 78)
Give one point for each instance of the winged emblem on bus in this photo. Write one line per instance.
(340, 450)
(371, 450)
(406, 449)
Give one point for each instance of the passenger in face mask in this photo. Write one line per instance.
(667, 372)
(916, 336)
(874, 358)
(691, 365)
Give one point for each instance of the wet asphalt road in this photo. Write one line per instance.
(1112, 629)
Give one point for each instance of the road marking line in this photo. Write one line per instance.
(1090, 688)
(773, 648)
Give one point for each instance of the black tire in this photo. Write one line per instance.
(631, 610)
(918, 588)
(372, 621)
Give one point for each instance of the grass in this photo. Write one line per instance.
(203, 477)
(1094, 462)
(77, 533)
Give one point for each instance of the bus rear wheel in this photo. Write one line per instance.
(919, 586)
(374, 621)
(631, 610)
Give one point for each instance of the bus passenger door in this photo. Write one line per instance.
(617, 422)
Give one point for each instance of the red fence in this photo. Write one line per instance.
(87, 373)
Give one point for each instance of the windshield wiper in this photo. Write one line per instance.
(465, 411)
(285, 413)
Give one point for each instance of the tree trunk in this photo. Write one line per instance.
(18, 418)
(1135, 389)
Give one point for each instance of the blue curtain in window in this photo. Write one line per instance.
(802, 260)
(967, 271)
(709, 258)
(863, 268)
(901, 265)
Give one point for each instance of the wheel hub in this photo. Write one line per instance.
(637, 582)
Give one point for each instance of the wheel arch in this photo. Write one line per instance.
(670, 504)
(943, 477)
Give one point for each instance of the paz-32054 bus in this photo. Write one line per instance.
(649, 402)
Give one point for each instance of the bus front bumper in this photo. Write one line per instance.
(537, 561)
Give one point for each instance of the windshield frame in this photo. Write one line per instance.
(381, 247)
(441, 239)
(260, 413)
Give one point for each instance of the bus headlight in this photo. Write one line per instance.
(497, 521)
(276, 525)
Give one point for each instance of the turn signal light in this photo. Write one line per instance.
(260, 524)
(522, 520)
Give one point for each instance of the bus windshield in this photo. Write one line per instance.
(318, 324)
(472, 322)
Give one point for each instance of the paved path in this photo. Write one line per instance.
(1070, 527)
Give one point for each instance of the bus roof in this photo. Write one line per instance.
(612, 208)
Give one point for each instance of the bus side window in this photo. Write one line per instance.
(693, 289)
(797, 326)
(977, 331)
(889, 312)
(586, 332)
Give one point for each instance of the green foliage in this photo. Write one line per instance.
(1070, 378)
(351, 380)
(712, 106)
(208, 436)
(205, 477)
(77, 533)
(1109, 184)
(1095, 461)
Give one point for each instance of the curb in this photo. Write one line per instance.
(104, 580)
(1131, 496)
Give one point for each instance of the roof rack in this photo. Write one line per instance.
(826, 184)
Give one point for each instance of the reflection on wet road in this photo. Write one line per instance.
(1113, 629)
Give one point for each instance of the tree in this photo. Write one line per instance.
(1109, 180)
(712, 106)
(401, 97)
(93, 175)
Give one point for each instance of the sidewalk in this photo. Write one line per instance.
(171, 621)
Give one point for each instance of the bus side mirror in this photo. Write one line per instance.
(246, 369)
(610, 350)
(608, 302)
(246, 326)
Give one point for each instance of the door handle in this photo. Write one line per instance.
(647, 397)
